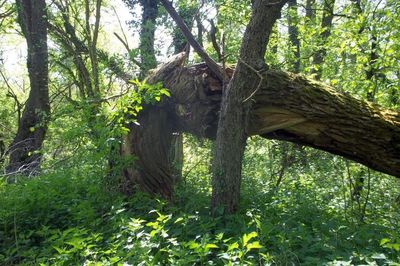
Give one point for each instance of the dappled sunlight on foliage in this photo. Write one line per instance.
(303, 221)
(110, 130)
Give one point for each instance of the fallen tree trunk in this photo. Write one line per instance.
(286, 107)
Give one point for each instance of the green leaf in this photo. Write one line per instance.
(379, 256)
(153, 233)
(219, 236)
(248, 237)
(396, 247)
(59, 250)
(180, 219)
(233, 246)
(153, 225)
(114, 259)
(193, 245)
(254, 245)
(208, 246)
(76, 243)
(165, 92)
(384, 241)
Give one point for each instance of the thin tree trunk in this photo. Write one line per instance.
(199, 29)
(294, 43)
(92, 45)
(326, 26)
(25, 155)
(2, 149)
(294, 34)
(310, 12)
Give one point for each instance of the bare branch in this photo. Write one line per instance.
(215, 68)
(140, 65)
(213, 32)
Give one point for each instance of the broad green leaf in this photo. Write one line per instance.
(233, 246)
(384, 241)
(248, 237)
(254, 245)
(208, 246)
(193, 245)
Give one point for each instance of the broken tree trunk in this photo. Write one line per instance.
(286, 106)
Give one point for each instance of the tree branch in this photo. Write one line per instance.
(215, 68)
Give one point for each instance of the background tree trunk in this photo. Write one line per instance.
(24, 152)
(310, 11)
(294, 34)
(147, 31)
(187, 12)
(326, 25)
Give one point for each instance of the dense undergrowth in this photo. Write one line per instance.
(299, 206)
(70, 216)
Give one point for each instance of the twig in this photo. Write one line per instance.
(125, 41)
(258, 74)
(125, 44)
(277, 3)
(108, 98)
(12, 95)
(213, 32)
(7, 12)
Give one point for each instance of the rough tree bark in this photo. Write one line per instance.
(187, 12)
(150, 141)
(235, 106)
(294, 108)
(287, 107)
(24, 151)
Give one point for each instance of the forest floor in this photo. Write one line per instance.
(71, 216)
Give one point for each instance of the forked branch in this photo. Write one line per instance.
(214, 67)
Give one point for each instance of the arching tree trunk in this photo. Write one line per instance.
(25, 155)
(287, 107)
(257, 101)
